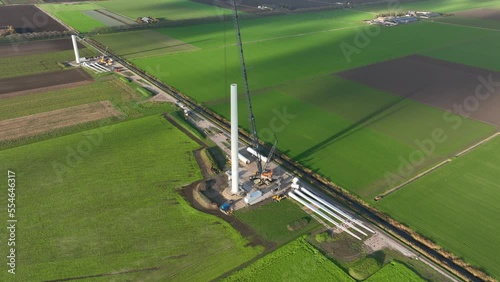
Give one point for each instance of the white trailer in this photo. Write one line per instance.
(254, 153)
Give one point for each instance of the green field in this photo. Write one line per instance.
(72, 14)
(365, 267)
(360, 147)
(280, 60)
(353, 135)
(144, 43)
(291, 65)
(45, 62)
(457, 206)
(296, 261)
(81, 219)
(271, 220)
(394, 271)
(474, 52)
(168, 9)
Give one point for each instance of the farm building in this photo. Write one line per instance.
(403, 20)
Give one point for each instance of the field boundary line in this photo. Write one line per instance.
(394, 189)
(251, 41)
(466, 26)
(477, 145)
(105, 274)
(54, 17)
(298, 34)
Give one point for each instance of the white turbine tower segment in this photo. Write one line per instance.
(295, 197)
(307, 198)
(335, 209)
(234, 140)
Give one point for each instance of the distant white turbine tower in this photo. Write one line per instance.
(75, 47)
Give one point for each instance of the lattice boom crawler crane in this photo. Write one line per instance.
(262, 176)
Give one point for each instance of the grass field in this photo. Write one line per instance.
(457, 206)
(394, 271)
(168, 9)
(363, 134)
(80, 219)
(351, 134)
(144, 43)
(476, 53)
(296, 261)
(365, 267)
(470, 22)
(45, 62)
(276, 61)
(271, 221)
(72, 14)
(291, 65)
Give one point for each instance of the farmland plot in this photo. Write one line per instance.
(296, 261)
(457, 206)
(122, 215)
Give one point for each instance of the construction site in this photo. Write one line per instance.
(169, 134)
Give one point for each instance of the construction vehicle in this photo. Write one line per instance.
(262, 176)
(266, 175)
(227, 208)
(278, 198)
(105, 61)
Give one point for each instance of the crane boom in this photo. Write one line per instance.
(251, 117)
(270, 156)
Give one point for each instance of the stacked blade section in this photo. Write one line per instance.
(330, 213)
